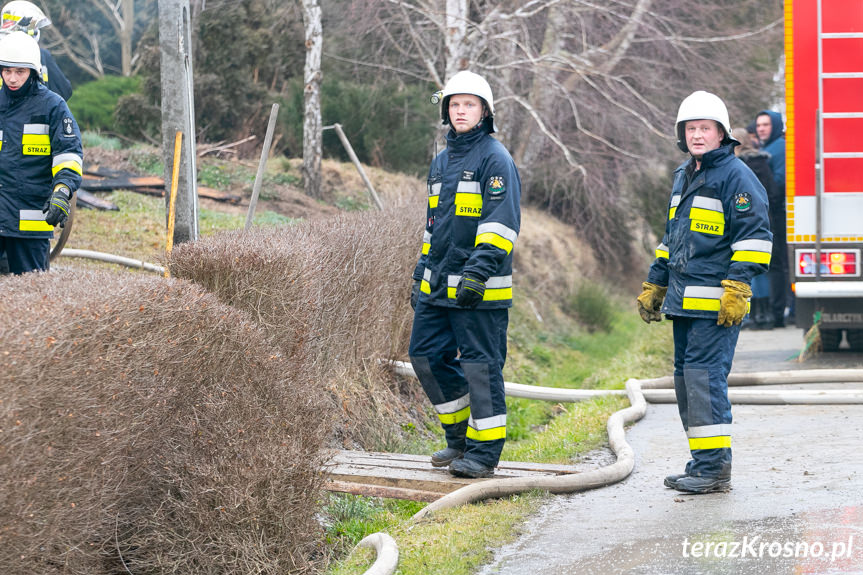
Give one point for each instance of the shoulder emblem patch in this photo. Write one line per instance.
(496, 185)
(742, 202)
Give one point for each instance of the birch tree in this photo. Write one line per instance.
(312, 128)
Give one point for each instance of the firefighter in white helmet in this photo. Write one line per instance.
(717, 238)
(463, 280)
(27, 17)
(40, 159)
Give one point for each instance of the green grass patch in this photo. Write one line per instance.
(138, 229)
(453, 542)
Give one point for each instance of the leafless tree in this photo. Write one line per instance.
(585, 91)
(312, 128)
(78, 35)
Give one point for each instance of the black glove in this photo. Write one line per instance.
(469, 292)
(415, 294)
(57, 206)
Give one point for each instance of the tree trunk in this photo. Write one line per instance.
(456, 30)
(125, 34)
(312, 129)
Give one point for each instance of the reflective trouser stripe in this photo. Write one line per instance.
(716, 436)
(427, 237)
(487, 429)
(454, 411)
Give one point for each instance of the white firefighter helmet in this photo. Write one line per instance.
(20, 50)
(702, 105)
(24, 16)
(466, 82)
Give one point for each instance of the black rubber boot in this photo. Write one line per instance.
(671, 480)
(698, 485)
(470, 468)
(445, 456)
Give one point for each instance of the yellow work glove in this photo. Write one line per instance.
(732, 303)
(650, 301)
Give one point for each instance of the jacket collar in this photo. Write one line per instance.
(462, 142)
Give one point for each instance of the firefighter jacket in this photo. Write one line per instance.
(40, 147)
(473, 219)
(717, 228)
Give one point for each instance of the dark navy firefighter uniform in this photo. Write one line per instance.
(40, 147)
(473, 220)
(717, 229)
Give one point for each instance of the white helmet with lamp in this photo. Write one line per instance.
(466, 82)
(702, 105)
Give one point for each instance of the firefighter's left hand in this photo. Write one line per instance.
(732, 303)
(469, 292)
(57, 206)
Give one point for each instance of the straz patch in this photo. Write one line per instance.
(712, 228)
(67, 127)
(743, 202)
(496, 185)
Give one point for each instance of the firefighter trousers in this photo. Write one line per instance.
(703, 352)
(458, 356)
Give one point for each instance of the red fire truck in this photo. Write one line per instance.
(824, 164)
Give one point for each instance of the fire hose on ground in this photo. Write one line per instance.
(659, 390)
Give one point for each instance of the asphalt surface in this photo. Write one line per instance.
(796, 503)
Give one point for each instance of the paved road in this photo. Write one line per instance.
(796, 505)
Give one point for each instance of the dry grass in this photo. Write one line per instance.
(333, 295)
(147, 428)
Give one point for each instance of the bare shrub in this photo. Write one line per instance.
(145, 427)
(334, 294)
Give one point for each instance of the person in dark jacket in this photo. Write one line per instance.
(463, 280)
(757, 160)
(27, 17)
(717, 238)
(40, 156)
(768, 126)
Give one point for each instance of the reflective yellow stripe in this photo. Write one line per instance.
(698, 303)
(426, 248)
(495, 240)
(706, 215)
(661, 253)
(433, 200)
(35, 140)
(671, 212)
(34, 226)
(497, 294)
(486, 434)
(501, 294)
(458, 416)
(74, 166)
(717, 442)
(425, 287)
(754, 257)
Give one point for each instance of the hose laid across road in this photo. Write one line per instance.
(639, 392)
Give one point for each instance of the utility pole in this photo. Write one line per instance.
(178, 112)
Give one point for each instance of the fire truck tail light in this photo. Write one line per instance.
(833, 263)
